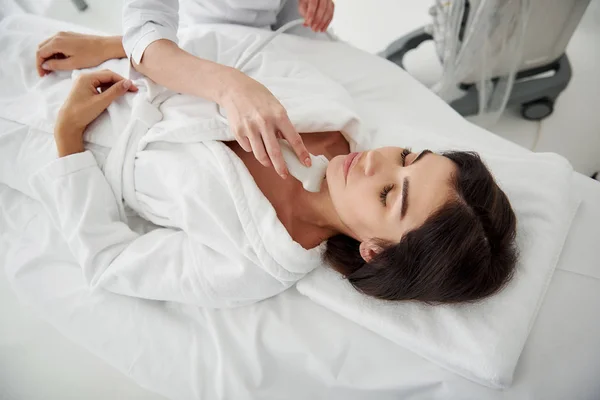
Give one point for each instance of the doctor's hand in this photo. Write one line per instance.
(317, 13)
(258, 119)
(90, 96)
(68, 51)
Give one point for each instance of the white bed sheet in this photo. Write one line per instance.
(286, 347)
(296, 349)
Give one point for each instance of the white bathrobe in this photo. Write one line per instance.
(220, 243)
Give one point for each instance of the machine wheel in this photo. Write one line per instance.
(538, 109)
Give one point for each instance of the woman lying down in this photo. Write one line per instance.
(397, 225)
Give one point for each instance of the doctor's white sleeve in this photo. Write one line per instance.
(163, 264)
(146, 21)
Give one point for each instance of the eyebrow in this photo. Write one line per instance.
(405, 184)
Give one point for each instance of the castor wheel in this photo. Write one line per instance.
(537, 110)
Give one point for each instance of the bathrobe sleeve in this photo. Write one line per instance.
(146, 21)
(163, 264)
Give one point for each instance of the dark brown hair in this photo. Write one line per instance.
(464, 251)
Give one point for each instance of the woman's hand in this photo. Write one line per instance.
(84, 104)
(317, 13)
(68, 51)
(257, 119)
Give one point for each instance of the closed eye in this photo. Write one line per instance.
(384, 193)
(403, 156)
(405, 185)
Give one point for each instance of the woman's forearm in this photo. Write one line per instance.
(167, 64)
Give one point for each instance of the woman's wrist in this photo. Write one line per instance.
(68, 147)
(68, 140)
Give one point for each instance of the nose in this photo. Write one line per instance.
(371, 163)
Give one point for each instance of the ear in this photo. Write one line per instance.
(369, 249)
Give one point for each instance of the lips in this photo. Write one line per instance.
(349, 163)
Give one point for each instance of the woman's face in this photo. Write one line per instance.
(387, 192)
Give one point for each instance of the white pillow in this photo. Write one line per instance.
(481, 341)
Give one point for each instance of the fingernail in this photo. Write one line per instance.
(307, 162)
(126, 84)
(283, 175)
(45, 66)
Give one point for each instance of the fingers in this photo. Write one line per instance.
(265, 147)
(267, 150)
(118, 89)
(39, 60)
(274, 151)
(311, 8)
(103, 77)
(106, 78)
(47, 50)
(51, 47)
(38, 67)
(328, 17)
(258, 148)
(242, 140)
(302, 10)
(84, 103)
(65, 64)
(320, 15)
(289, 133)
(114, 84)
(58, 46)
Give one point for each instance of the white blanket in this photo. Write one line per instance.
(398, 129)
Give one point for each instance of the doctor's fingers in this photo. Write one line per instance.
(258, 148)
(289, 133)
(320, 15)
(302, 10)
(241, 138)
(274, 151)
(328, 17)
(311, 9)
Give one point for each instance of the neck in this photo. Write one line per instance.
(316, 210)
